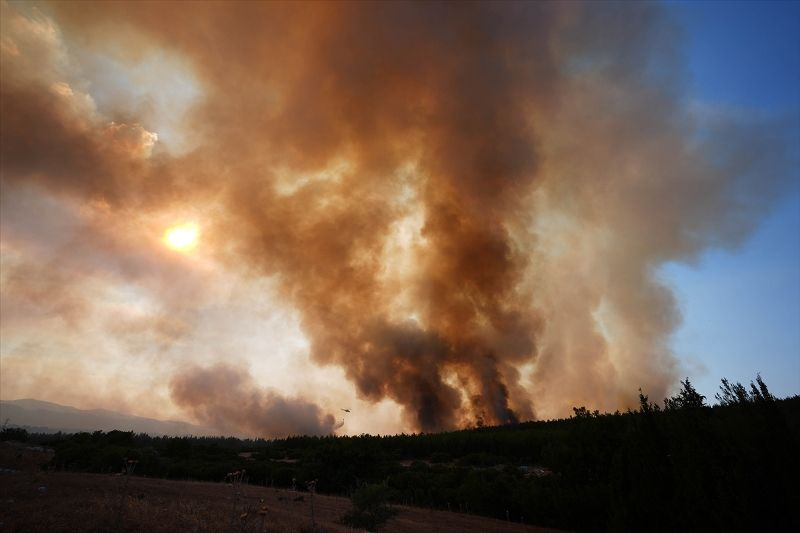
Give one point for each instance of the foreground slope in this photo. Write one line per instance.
(93, 502)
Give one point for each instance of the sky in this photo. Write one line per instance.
(253, 216)
(741, 305)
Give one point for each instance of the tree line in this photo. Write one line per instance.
(681, 465)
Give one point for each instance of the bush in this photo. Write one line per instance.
(15, 434)
(370, 508)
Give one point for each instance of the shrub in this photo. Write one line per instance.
(370, 508)
(13, 434)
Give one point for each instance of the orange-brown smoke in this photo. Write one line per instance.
(467, 203)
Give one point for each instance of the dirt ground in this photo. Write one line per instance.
(36, 501)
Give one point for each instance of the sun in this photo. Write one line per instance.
(182, 237)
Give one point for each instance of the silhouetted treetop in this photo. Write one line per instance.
(687, 398)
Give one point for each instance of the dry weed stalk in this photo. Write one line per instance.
(263, 513)
(128, 467)
(312, 488)
(235, 480)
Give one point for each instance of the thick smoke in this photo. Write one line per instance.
(225, 397)
(467, 204)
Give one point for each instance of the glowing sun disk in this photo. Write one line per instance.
(182, 237)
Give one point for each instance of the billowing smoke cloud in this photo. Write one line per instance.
(466, 204)
(225, 397)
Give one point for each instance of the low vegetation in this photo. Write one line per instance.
(681, 465)
(370, 509)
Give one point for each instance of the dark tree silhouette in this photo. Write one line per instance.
(687, 398)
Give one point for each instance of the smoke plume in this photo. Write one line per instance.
(225, 397)
(467, 204)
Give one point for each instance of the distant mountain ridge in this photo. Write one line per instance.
(47, 417)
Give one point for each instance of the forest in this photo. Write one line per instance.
(678, 465)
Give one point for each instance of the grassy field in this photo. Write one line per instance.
(38, 501)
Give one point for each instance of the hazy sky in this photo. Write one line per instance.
(252, 215)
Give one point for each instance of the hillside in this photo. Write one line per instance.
(46, 417)
(91, 502)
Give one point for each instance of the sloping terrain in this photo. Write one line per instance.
(54, 502)
(47, 417)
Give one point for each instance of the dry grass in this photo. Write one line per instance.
(89, 502)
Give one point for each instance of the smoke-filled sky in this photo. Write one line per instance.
(253, 215)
